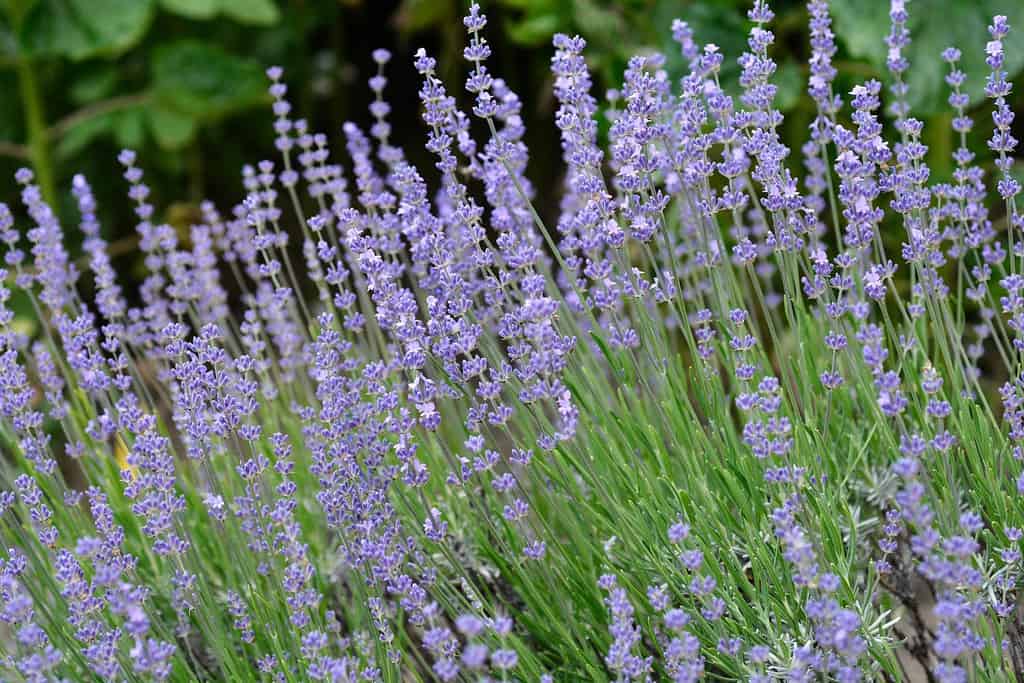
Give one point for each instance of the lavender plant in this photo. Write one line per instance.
(724, 418)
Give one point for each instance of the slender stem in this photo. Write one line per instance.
(14, 150)
(35, 124)
(61, 127)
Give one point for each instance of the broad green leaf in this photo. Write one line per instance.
(82, 135)
(193, 9)
(255, 12)
(934, 25)
(597, 22)
(711, 23)
(534, 30)
(862, 26)
(530, 6)
(170, 129)
(789, 80)
(80, 29)
(8, 41)
(95, 82)
(417, 15)
(129, 127)
(203, 81)
(126, 126)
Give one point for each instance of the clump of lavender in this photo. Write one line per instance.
(448, 448)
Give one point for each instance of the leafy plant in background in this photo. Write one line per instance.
(190, 82)
(708, 422)
(618, 30)
(153, 74)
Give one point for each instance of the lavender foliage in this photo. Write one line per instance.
(736, 414)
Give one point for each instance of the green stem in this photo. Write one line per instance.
(35, 122)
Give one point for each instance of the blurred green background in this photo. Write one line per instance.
(182, 81)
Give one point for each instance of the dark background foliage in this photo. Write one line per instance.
(182, 81)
